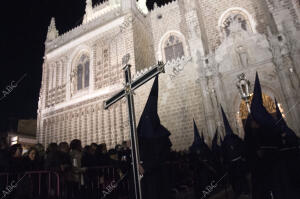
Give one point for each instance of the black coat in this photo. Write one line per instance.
(234, 161)
(31, 165)
(154, 155)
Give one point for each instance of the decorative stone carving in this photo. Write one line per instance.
(241, 49)
(235, 23)
(175, 67)
(242, 55)
(52, 31)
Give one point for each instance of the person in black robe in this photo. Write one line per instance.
(154, 145)
(263, 139)
(217, 155)
(233, 151)
(200, 159)
(252, 158)
(290, 157)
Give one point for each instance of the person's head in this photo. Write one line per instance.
(128, 142)
(39, 148)
(113, 154)
(94, 147)
(103, 148)
(52, 147)
(64, 147)
(124, 144)
(16, 150)
(76, 145)
(32, 152)
(118, 147)
(87, 149)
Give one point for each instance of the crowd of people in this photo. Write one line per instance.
(59, 157)
(76, 164)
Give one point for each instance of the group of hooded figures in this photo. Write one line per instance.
(263, 165)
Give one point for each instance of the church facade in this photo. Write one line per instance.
(206, 45)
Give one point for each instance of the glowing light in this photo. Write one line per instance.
(14, 140)
(281, 109)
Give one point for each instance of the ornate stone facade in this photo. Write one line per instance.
(206, 43)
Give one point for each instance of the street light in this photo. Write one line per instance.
(243, 85)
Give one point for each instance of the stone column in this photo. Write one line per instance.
(208, 106)
(197, 52)
(283, 63)
(204, 82)
(216, 88)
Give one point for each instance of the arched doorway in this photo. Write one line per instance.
(268, 103)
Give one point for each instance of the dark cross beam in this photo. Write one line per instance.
(128, 93)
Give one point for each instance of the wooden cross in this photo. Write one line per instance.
(128, 93)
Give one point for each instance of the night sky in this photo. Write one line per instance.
(24, 27)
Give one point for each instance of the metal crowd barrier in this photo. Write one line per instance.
(30, 184)
(106, 182)
(95, 182)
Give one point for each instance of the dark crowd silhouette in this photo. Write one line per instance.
(79, 169)
(263, 165)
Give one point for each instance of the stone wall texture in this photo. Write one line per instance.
(192, 87)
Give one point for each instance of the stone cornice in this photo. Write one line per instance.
(85, 34)
(82, 30)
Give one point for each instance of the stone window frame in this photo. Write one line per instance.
(73, 75)
(161, 53)
(172, 43)
(238, 10)
(84, 58)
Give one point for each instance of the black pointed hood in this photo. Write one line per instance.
(199, 144)
(215, 147)
(215, 139)
(258, 111)
(228, 129)
(149, 125)
(197, 139)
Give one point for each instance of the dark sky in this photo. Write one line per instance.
(23, 31)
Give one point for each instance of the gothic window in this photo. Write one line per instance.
(235, 20)
(79, 77)
(86, 74)
(83, 72)
(173, 48)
